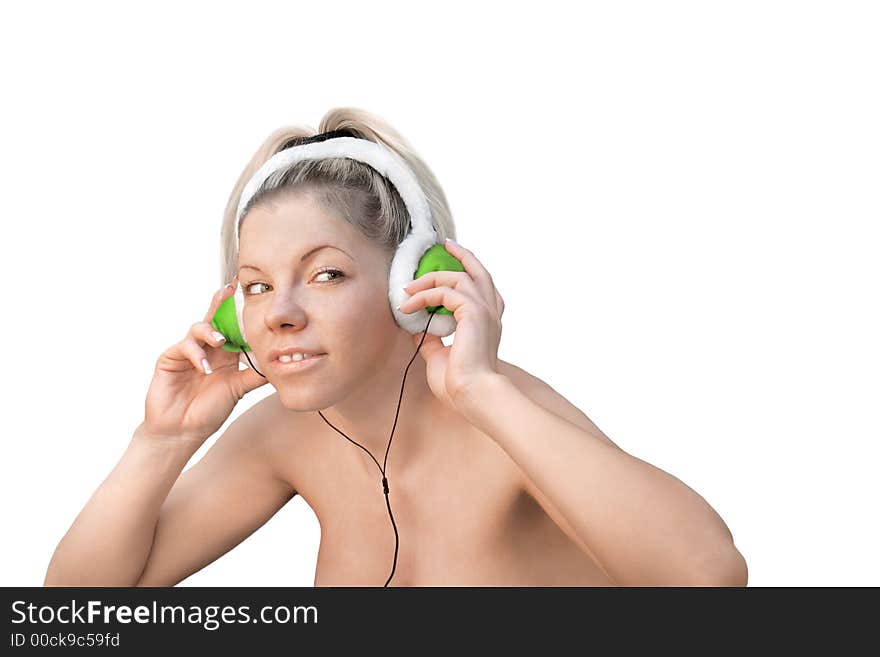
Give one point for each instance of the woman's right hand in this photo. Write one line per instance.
(183, 401)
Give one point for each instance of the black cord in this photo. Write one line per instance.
(252, 365)
(385, 462)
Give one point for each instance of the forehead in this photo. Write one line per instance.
(292, 221)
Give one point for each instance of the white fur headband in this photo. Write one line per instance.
(383, 160)
(422, 234)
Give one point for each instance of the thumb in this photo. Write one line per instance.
(247, 380)
(432, 344)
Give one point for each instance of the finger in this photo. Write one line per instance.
(246, 380)
(436, 296)
(188, 350)
(205, 333)
(430, 344)
(460, 280)
(474, 267)
(219, 297)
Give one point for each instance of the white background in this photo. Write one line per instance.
(678, 202)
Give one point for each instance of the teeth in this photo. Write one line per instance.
(288, 358)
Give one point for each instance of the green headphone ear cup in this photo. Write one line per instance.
(225, 320)
(437, 258)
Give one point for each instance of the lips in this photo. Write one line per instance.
(297, 365)
(275, 353)
(283, 358)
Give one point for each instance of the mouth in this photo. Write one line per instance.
(297, 365)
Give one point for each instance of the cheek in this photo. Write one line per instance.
(360, 327)
(362, 333)
(358, 320)
(364, 311)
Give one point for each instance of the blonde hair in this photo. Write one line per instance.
(350, 189)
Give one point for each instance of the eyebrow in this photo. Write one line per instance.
(306, 255)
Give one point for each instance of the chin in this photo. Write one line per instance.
(303, 397)
(297, 398)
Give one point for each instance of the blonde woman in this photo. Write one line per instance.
(495, 479)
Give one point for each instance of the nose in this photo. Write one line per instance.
(285, 310)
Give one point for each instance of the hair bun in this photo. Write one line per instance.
(299, 141)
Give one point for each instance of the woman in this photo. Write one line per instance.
(494, 478)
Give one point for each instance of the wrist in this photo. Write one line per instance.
(143, 435)
(477, 395)
(155, 455)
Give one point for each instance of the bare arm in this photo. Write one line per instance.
(233, 491)
(133, 531)
(644, 526)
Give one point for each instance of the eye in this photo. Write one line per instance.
(250, 285)
(330, 270)
(327, 270)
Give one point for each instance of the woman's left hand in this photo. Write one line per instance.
(471, 296)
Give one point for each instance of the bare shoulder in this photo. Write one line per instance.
(542, 393)
(268, 417)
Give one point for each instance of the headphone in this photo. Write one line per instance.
(418, 254)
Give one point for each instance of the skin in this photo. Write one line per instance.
(345, 316)
(495, 478)
(463, 513)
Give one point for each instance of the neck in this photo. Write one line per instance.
(367, 416)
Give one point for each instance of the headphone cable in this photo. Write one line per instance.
(382, 467)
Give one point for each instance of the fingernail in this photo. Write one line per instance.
(218, 336)
(206, 366)
(449, 239)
